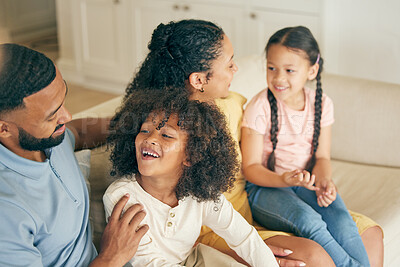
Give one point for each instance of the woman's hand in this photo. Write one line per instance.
(326, 192)
(299, 178)
(280, 255)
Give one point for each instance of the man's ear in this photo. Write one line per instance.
(197, 80)
(4, 129)
(313, 71)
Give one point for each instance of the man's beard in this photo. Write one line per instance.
(31, 143)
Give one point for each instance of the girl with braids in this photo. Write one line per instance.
(286, 151)
(176, 157)
(195, 56)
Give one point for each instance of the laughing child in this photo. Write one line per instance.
(176, 158)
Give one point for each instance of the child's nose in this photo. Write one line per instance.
(280, 76)
(152, 138)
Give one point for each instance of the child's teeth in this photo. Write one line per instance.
(145, 153)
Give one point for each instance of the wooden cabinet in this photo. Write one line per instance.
(102, 34)
(262, 23)
(24, 20)
(111, 36)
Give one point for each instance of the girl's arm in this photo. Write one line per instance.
(322, 169)
(251, 145)
(240, 236)
(252, 149)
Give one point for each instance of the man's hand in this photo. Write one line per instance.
(299, 178)
(122, 235)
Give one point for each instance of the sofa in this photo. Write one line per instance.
(365, 147)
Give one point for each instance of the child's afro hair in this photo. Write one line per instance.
(210, 150)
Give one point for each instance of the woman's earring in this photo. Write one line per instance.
(201, 90)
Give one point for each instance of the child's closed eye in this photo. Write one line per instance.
(167, 136)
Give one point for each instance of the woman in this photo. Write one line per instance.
(197, 56)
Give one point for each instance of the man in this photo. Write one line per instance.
(44, 202)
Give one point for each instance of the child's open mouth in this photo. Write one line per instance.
(280, 88)
(149, 154)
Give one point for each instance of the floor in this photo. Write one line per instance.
(78, 98)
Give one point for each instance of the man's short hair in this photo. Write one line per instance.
(23, 72)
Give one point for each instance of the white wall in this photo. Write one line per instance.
(361, 38)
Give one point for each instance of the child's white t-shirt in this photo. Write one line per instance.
(296, 128)
(173, 231)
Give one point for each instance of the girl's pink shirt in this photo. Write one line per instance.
(296, 128)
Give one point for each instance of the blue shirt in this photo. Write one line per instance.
(44, 209)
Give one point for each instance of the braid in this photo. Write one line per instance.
(274, 130)
(317, 123)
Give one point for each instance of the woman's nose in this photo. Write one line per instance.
(235, 68)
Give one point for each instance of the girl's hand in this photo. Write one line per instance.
(299, 178)
(326, 193)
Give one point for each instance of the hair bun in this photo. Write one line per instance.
(160, 37)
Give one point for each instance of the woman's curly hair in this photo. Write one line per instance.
(176, 50)
(210, 149)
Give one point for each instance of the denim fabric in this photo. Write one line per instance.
(295, 210)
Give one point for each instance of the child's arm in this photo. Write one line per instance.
(252, 149)
(243, 238)
(322, 169)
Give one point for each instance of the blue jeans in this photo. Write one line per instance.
(295, 210)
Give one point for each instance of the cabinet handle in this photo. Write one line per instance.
(186, 8)
(253, 15)
(175, 7)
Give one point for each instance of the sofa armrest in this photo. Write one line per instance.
(105, 109)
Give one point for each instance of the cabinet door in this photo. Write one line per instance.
(262, 24)
(26, 20)
(102, 39)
